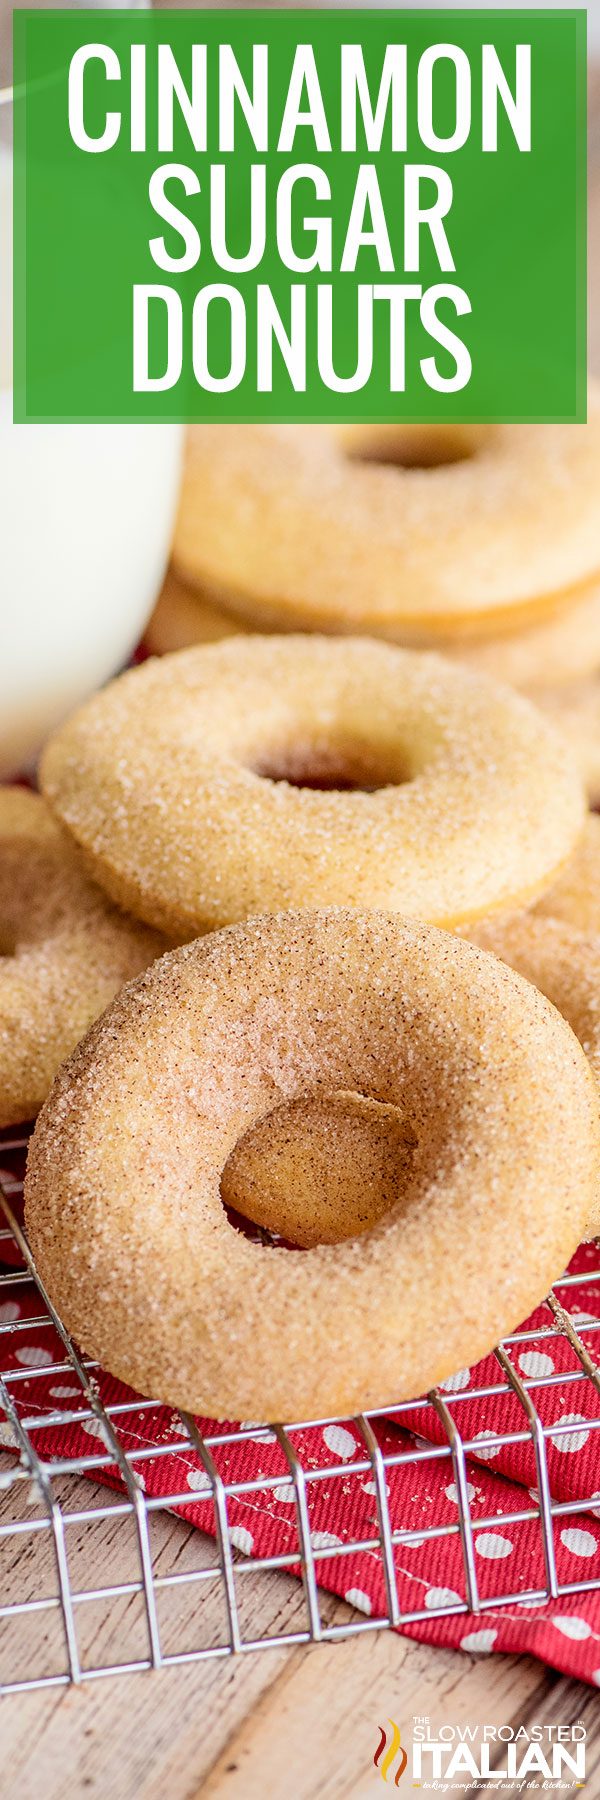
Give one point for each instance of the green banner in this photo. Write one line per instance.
(300, 215)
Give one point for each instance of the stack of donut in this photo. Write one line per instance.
(482, 542)
(373, 1035)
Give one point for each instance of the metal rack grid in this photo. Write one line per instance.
(41, 1503)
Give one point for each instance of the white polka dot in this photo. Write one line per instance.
(595, 1677)
(535, 1362)
(176, 1424)
(493, 1545)
(479, 1642)
(370, 1487)
(455, 1382)
(66, 1393)
(436, 1597)
(453, 1495)
(9, 1311)
(93, 1429)
(568, 1441)
(324, 1540)
(340, 1441)
(242, 1539)
(484, 1450)
(581, 1319)
(580, 1543)
(285, 1493)
(6, 1434)
(360, 1600)
(572, 1628)
(198, 1480)
(34, 1357)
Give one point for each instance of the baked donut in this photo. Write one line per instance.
(64, 951)
(565, 965)
(123, 1204)
(264, 773)
(574, 710)
(575, 897)
(561, 649)
(330, 527)
(554, 654)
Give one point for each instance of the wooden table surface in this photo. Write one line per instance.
(279, 1723)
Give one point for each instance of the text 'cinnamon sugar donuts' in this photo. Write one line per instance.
(195, 785)
(64, 951)
(330, 528)
(123, 1204)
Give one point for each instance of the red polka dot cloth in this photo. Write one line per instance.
(501, 1473)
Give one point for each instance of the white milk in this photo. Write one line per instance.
(86, 514)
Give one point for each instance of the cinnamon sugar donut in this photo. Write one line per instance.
(564, 964)
(553, 655)
(194, 784)
(320, 527)
(64, 952)
(575, 897)
(123, 1204)
(574, 710)
(561, 649)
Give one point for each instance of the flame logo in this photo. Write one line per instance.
(392, 1749)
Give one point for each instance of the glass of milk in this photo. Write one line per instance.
(86, 514)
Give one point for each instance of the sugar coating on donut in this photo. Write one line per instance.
(123, 1200)
(564, 963)
(304, 525)
(575, 896)
(64, 951)
(271, 772)
(574, 711)
(561, 648)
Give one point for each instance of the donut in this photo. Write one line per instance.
(64, 952)
(264, 773)
(183, 616)
(322, 527)
(320, 1169)
(555, 654)
(561, 649)
(123, 1202)
(575, 897)
(575, 712)
(564, 964)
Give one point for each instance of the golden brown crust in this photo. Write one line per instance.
(123, 1206)
(295, 528)
(165, 781)
(64, 951)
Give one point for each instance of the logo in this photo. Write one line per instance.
(387, 1752)
(447, 1759)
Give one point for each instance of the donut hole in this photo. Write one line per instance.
(331, 768)
(8, 939)
(412, 446)
(320, 1169)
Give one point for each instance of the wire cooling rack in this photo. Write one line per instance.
(47, 1635)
